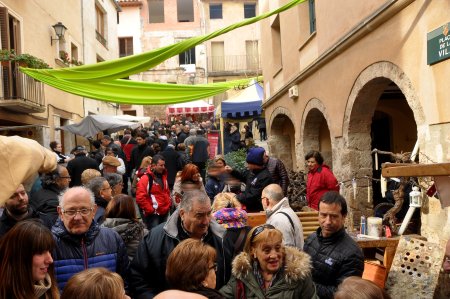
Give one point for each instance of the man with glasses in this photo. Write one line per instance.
(192, 219)
(80, 242)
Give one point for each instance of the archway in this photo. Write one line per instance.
(281, 140)
(383, 112)
(315, 131)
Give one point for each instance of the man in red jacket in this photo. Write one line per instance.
(153, 194)
(320, 179)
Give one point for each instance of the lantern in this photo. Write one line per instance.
(415, 198)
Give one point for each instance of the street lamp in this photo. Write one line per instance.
(60, 29)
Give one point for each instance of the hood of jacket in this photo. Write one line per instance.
(297, 265)
(171, 227)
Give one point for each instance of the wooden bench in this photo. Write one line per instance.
(309, 220)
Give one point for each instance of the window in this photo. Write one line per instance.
(185, 11)
(187, 57)
(100, 25)
(125, 46)
(249, 10)
(156, 11)
(215, 11)
(276, 42)
(217, 56)
(252, 57)
(312, 16)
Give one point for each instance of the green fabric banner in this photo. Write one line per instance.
(101, 80)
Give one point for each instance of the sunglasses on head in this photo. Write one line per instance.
(260, 229)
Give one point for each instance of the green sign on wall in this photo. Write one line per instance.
(438, 44)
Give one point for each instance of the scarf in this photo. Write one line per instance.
(42, 286)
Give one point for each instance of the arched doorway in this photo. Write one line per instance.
(281, 140)
(383, 112)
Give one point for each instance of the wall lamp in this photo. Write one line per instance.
(60, 29)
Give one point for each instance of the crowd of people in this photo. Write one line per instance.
(152, 216)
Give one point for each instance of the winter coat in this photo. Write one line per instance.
(138, 153)
(154, 201)
(213, 187)
(174, 163)
(76, 167)
(7, 222)
(131, 232)
(334, 258)
(279, 174)
(149, 265)
(235, 138)
(255, 182)
(294, 282)
(46, 201)
(98, 247)
(292, 235)
(320, 181)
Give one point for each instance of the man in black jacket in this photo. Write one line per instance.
(278, 171)
(191, 220)
(256, 178)
(18, 209)
(334, 254)
(79, 164)
(140, 151)
(174, 163)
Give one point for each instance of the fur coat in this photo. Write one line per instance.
(294, 282)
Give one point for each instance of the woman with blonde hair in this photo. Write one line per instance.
(268, 269)
(26, 265)
(98, 283)
(228, 212)
(187, 179)
(192, 267)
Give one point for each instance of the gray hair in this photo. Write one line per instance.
(96, 185)
(193, 132)
(63, 194)
(193, 195)
(113, 178)
(273, 192)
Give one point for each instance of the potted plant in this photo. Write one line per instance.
(76, 62)
(64, 56)
(6, 56)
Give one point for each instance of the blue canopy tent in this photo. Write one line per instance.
(243, 107)
(246, 104)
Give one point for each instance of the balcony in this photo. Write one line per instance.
(19, 92)
(234, 65)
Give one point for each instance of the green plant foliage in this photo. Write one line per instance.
(30, 61)
(236, 159)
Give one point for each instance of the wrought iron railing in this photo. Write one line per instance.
(101, 38)
(17, 85)
(234, 63)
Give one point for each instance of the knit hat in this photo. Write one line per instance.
(255, 156)
(111, 161)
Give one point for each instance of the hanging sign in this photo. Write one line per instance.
(438, 44)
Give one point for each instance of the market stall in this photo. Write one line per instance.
(195, 110)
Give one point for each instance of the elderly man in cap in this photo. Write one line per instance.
(256, 178)
(79, 164)
(110, 164)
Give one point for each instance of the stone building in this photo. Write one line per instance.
(34, 110)
(345, 77)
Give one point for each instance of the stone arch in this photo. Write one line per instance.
(314, 131)
(281, 141)
(355, 155)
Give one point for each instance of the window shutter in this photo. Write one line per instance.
(4, 27)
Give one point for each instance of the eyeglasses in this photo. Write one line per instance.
(72, 213)
(213, 267)
(260, 229)
(262, 198)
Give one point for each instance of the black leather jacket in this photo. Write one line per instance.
(334, 258)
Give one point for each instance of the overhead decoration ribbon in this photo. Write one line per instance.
(101, 80)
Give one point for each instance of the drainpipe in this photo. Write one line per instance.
(83, 45)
